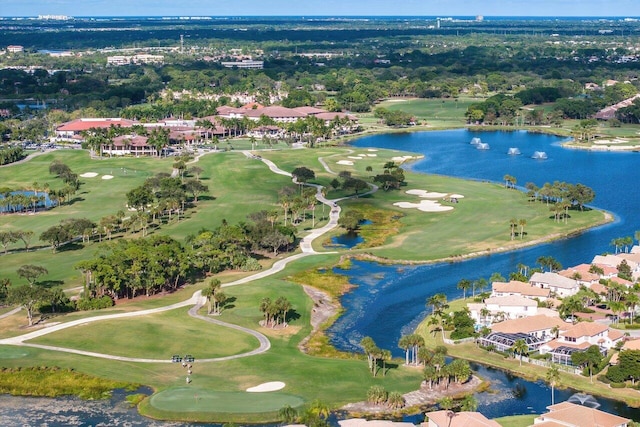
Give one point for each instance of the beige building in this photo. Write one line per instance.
(568, 414)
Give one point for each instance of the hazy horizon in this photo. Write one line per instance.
(326, 8)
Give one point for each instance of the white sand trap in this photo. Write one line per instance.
(345, 162)
(424, 206)
(88, 175)
(456, 196)
(402, 158)
(107, 176)
(371, 149)
(372, 155)
(264, 387)
(355, 157)
(426, 194)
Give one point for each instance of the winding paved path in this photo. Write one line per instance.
(197, 301)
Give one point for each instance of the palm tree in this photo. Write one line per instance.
(513, 223)
(464, 284)
(522, 222)
(520, 347)
(552, 377)
(287, 414)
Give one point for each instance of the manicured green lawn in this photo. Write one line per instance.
(157, 336)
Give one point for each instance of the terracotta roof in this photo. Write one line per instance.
(570, 414)
(332, 115)
(460, 419)
(553, 344)
(529, 324)
(309, 110)
(275, 112)
(585, 329)
(613, 261)
(133, 140)
(522, 288)
(252, 106)
(79, 125)
(582, 270)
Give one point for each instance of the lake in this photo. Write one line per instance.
(389, 300)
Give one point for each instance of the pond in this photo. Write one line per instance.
(14, 204)
(349, 239)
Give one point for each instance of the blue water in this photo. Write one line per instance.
(389, 301)
(46, 203)
(351, 239)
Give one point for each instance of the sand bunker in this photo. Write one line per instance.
(107, 176)
(345, 162)
(456, 196)
(372, 155)
(371, 149)
(88, 175)
(424, 206)
(402, 158)
(426, 194)
(355, 157)
(264, 387)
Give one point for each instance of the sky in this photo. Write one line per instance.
(444, 8)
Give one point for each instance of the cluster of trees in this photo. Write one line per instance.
(163, 195)
(275, 312)
(628, 367)
(562, 195)
(132, 267)
(231, 246)
(376, 357)
(34, 295)
(392, 177)
(11, 154)
(11, 236)
(67, 231)
(439, 373)
(393, 118)
(216, 299)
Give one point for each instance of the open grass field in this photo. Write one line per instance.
(162, 334)
(437, 112)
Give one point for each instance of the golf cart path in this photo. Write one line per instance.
(197, 301)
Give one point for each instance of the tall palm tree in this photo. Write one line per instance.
(464, 284)
(552, 377)
(522, 222)
(521, 348)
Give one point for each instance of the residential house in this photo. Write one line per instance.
(559, 285)
(569, 414)
(581, 274)
(615, 260)
(502, 308)
(580, 337)
(361, 422)
(534, 330)
(458, 419)
(515, 287)
(15, 48)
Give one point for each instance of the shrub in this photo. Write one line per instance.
(615, 375)
(94, 303)
(251, 264)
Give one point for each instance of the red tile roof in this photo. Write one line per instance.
(80, 125)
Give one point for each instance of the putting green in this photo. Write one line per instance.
(193, 399)
(12, 352)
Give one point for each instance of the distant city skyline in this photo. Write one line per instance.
(549, 8)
